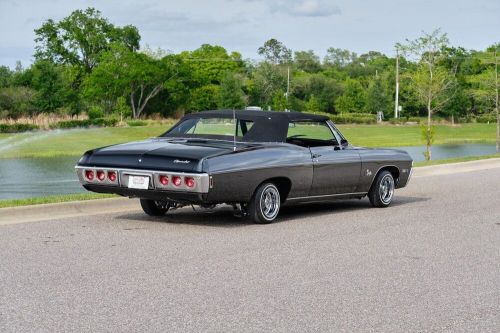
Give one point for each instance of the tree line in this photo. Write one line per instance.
(84, 63)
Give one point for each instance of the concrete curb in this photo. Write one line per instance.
(45, 212)
(119, 205)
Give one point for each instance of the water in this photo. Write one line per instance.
(39, 177)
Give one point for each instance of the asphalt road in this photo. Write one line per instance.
(429, 263)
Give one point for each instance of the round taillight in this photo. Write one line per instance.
(176, 180)
(89, 174)
(164, 180)
(189, 181)
(100, 175)
(112, 176)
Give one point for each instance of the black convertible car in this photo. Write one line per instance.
(253, 160)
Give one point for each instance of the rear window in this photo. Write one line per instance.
(213, 126)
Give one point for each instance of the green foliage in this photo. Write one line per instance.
(377, 98)
(307, 61)
(353, 98)
(313, 104)
(279, 101)
(275, 52)
(97, 122)
(231, 93)
(17, 128)
(95, 112)
(204, 98)
(19, 101)
(80, 38)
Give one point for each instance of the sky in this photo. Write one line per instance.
(244, 25)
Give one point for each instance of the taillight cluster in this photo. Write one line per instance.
(176, 181)
(99, 176)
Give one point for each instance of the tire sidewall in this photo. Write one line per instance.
(256, 211)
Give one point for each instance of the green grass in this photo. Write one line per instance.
(76, 142)
(397, 136)
(456, 160)
(53, 199)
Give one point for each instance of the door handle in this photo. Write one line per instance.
(316, 155)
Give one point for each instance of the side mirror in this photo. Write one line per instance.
(344, 142)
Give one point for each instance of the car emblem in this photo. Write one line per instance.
(140, 160)
(182, 161)
(368, 172)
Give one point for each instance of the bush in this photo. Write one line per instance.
(95, 112)
(351, 118)
(99, 122)
(17, 128)
(406, 120)
(133, 123)
(486, 118)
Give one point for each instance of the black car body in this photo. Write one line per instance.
(216, 157)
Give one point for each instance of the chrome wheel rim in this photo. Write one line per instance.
(386, 189)
(270, 202)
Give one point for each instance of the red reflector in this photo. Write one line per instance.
(189, 181)
(112, 176)
(164, 180)
(89, 174)
(100, 175)
(176, 180)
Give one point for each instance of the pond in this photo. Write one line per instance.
(39, 177)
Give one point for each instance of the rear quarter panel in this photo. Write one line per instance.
(373, 160)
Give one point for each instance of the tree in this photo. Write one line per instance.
(19, 101)
(231, 95)
(5, 76)
(204, 98)
(432, 83)
(275, 52)
(487, 85)
(377, 98)
(313, 104)
(353, 98)
(124, 72)
(268, 79)
(48, 82)
(80, 38)
(339, 57)
(307, 61)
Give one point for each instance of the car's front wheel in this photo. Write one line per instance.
(154, 207)
(265, 204)
(382, 190)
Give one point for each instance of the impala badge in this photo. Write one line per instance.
(368, 172)
(182, 161)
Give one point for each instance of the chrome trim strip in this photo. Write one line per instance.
(201, 179)
(263, 167)
(328, 195)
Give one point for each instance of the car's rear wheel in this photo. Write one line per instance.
(154, 207)
(382, 190)
(265, 204)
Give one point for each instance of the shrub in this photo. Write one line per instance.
(95, 112)
(99, 122)
(17, 128)
(486, 118)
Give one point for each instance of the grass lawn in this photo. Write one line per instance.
(76, 142)
(53, 199)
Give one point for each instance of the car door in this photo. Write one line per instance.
(336, 165)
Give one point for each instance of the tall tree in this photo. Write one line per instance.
(307, 61)
(231, 93)
(353, 99)
(275, 52)
(377, 98)
(339, 57)
(431, 82)
(137, 75)
(80, 38)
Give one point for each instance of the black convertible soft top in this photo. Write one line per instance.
(269, 126)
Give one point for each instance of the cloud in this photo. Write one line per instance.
(314, 8)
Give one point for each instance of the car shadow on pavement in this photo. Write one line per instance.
(224, 216)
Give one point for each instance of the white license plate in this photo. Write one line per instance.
(138, 182)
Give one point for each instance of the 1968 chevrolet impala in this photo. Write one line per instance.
(253, 160)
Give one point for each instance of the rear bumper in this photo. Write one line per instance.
(183, 197)
(156, 190)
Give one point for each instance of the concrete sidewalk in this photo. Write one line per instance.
(119, 205)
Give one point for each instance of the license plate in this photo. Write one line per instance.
(138, 182)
